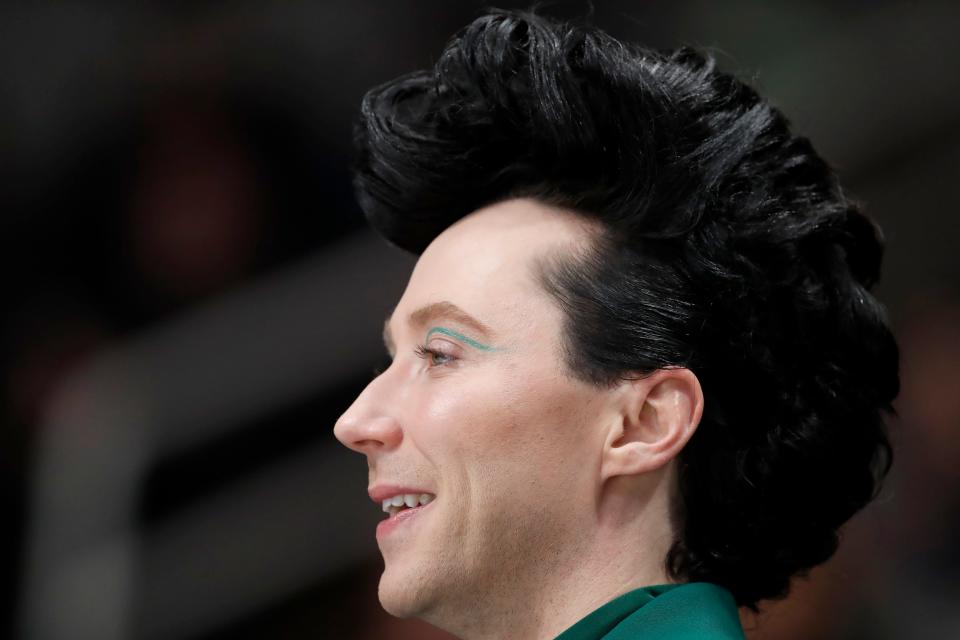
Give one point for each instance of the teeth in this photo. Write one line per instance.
(410, 500)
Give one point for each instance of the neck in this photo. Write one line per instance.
(620, 548)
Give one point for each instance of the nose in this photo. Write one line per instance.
(366, 427)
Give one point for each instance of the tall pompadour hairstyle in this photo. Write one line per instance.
(727, 247)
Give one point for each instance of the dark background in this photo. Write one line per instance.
(191, 299)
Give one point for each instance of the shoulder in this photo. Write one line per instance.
(691, 611)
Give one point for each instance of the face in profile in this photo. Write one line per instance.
(476, 425)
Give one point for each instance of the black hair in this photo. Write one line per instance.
(727, 247)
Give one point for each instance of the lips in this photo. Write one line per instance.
(404, 503)
(379, 493)
(400, 519)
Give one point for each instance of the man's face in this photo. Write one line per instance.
(490, 423)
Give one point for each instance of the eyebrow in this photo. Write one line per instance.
(422, 316)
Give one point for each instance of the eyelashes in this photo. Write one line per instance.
(430, 355)
(434, 357)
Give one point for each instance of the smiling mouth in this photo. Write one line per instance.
(403, 502)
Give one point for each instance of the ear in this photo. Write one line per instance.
(654, 418)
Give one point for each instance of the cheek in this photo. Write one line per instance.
(503, 426)
(523, 426)
(468, 422)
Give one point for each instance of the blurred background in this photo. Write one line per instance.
(190, 300)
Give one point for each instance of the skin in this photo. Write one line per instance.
(552, 494)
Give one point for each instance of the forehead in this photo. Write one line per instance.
(502, 240)
(484, 263)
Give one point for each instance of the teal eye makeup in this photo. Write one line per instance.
(462, 338)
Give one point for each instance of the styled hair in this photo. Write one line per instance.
(728, 247)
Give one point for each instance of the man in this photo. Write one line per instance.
(637, 375)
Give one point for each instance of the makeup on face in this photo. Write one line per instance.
(433, 311)
(459, 336)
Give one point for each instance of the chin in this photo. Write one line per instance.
(401, 592)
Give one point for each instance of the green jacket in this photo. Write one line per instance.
(690, 611)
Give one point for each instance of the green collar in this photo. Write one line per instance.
(689, 611)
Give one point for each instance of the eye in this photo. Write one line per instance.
(432, 355)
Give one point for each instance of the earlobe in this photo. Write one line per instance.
(654, 418)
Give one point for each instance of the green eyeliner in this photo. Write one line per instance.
(461, 337)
